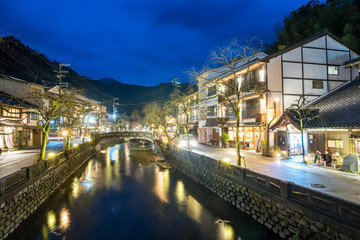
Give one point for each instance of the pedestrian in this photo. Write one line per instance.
(328, 159)
(317, 156)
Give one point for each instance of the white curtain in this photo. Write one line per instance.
(9, 140)
(2, 144)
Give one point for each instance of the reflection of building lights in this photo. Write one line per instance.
(75, 188)
(51, 220)
(64, 219)
(180, 191)
(228, 232)
(51, 154)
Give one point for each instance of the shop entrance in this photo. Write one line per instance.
(295, 143)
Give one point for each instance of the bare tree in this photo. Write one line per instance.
(182, 103)
(231, 76)
(49, 107)
(74, 112)
(156, 114)
(303, 116)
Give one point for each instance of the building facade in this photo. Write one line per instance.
(309, 68)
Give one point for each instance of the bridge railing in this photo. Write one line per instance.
(125, 134)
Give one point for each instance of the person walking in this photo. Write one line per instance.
(317, 156)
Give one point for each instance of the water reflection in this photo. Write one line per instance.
(194, 209)
(51, 220)
(115, 197)
(64, 219)
(225, 231)
(161, 186)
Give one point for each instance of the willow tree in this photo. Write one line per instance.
(74, 112)
(49, 107)
(157, 114)
(231, 77)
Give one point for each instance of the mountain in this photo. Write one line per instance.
(341, 17)
(20, 61)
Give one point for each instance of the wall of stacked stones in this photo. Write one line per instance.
(22, 199)
(279, 211)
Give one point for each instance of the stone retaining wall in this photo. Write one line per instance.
(277, 204)
(24, 191)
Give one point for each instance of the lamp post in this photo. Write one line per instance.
(114, 103)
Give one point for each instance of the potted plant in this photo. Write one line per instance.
(225, 139)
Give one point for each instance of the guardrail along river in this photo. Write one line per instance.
(120, 194)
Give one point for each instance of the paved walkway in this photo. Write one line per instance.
(337, 183)
(12, 161)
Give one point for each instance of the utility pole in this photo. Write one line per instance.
(114, 103)
(60, 75)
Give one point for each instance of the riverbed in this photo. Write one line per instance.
(122, 193)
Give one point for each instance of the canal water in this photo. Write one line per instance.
(119, 196)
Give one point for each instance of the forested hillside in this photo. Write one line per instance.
(20, 61)
(341, 17)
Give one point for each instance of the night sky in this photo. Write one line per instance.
(143, 42)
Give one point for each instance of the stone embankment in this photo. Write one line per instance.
(292, 211)
(22, 192)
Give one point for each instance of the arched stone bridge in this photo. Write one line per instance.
(128, 135)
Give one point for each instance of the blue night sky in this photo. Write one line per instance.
(138, 41)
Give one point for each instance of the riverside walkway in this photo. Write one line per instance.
(337, 183)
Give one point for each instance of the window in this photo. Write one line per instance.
(333, 70)
(11, 112)
(34, 116)
(317, 84)
(211, 90)
(212, 111)
(202, 113)
(250, 108)
(251, 79)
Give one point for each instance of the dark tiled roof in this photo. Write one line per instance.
(339, 108)
(9, 100)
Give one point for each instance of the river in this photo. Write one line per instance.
(115, 196)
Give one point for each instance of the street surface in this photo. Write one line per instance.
(12, 161)
(337, 183)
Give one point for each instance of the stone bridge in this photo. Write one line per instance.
(128, 135)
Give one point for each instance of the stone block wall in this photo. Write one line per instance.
(275, 210)
(19, 203)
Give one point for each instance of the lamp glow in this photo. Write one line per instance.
(64, 133)
(51, 154)
(226, 160)
(278, 155)
(75, 145)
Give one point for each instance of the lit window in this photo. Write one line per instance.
(11, 112)
(317, 84)
(333, 70)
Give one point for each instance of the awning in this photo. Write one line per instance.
(211, 122)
